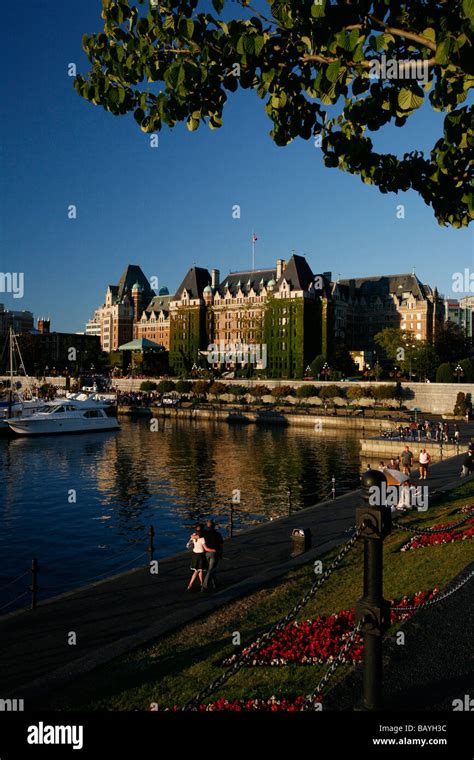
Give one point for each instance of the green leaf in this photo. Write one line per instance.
(443, 51)
(468, 9)
(429, 33)
(218, 5)
(333, 70)
(318, 8)
(409, 99)
(189, 28)
(259, 44)
(192, 124)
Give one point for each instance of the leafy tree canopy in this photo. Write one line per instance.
(313, 64)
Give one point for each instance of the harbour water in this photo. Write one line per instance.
(82, 505)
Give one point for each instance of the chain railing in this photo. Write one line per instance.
(311, 700)
(253, 648)
(427, 531)
(436, 599)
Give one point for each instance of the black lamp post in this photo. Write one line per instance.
(326, 370)
(459, 372)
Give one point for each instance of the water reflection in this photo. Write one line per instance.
(170, 478)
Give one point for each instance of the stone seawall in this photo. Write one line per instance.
(434, 398)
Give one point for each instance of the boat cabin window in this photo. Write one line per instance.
(93, 413)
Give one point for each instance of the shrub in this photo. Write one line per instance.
(317, 365)
(444, 373)
(237, 390)
(47, 391)
(217, 389)
(330, 391)
(282, 390)
(165, 386)
(259, 390)
(183, 386)
(355, 392)
(200, 387)
(148, 385)
(306, 391)
(383, 392)
(460, 407)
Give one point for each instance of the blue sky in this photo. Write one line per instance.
(169, 208)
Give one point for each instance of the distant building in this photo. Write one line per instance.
(124, 303)
(466, 306)
(20, 321)
(367, 305)
(286, 311)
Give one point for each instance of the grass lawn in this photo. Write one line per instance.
(174, 668)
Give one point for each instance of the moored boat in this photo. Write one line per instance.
(67, 416)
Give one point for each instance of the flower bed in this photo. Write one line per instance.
(318, 641)
(251, 705)
(462, 533)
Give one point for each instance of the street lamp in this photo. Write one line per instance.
(326, 370)
(459, 372)
(307, 372)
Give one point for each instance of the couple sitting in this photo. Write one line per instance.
(207, 549)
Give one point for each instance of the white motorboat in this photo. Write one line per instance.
(68, 416)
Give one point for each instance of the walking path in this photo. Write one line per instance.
(113, 616)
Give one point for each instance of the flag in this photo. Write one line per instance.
(254, 238)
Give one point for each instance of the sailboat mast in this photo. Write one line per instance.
(10, 395)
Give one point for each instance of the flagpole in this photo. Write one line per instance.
(253, 251)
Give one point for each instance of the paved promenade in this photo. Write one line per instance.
(113, 616)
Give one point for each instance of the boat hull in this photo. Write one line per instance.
(47, 427)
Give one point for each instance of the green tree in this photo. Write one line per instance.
(317, 365)
(217, 389)
(165, 386)
(444, 373)
(147, 385)
(282, 391)
(342, 361)
(168, 63)
(460, 406)
(355, 392)
(451, 342)
(183, 386)
(200, 387)
(306, 391)
(330, 391)
(468, 368)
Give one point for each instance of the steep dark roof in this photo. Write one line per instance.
(384, 285)
(248, 279)
(133, 274)
(195, 281)
(159, 303)
(297, 273)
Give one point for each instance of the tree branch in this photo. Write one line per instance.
(408, 35)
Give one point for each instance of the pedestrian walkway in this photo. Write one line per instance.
(113, 616)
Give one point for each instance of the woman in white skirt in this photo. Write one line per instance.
(198, 562)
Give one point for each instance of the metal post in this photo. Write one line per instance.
(372, 610)
(231, 527)
(151, 546)
(289, 501)
(333, 489)
(34, 585)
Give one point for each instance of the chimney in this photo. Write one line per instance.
(43, 326)
(215, 275)
(281, 266)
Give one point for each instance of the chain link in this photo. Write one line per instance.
(438, 598)
(427, 531)
(256, 645)
(310, 700)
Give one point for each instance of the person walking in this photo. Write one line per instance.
(467, 465)
(457, 434)
(407, 460)
(424, 460)
(214, 541)
(197, 543)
